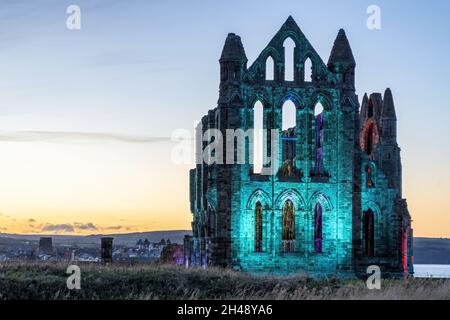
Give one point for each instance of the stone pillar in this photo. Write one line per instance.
(107, 243)
(278, 124)
(309, 143)
(267, 114)
(300, 135)
(277, 229)
(187, 250)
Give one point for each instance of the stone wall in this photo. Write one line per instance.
(224, 196)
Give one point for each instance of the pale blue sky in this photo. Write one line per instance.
(148, 67)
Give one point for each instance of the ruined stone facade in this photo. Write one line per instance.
(333, 205)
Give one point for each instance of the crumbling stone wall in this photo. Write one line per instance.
(361, 169)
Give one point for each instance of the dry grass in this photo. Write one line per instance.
(48, 281)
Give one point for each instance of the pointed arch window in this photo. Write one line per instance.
(308, 70)
(318, 228)
(289, 119)
(289, 47)
(369, 179)
(270, 68)
(258, 227)
(288, 115)
(319, 139)
(258, 116)
(369, 233)
(288, 227)
(369, 139)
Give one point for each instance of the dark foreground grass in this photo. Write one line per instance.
(48, 281)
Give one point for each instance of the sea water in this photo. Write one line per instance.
(432, 270)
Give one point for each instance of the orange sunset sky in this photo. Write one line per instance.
(86, 115)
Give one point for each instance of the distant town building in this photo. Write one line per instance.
(139, 244)
(46, 245)
(146, 244)
(107, 243)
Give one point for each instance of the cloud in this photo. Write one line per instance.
(115, 228)
(64, 227)
(85, 226)
(30, 136)
(68, 227)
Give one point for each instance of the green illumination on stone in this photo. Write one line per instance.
(322, 167)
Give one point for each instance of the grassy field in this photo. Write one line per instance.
(48, 281)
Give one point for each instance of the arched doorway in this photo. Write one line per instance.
(369, 233)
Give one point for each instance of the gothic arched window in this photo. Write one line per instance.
(289, 116)
(318, 228)
(319, 138)
(289, 46)
(288, 227)
(258, 227)
(308, 70)
(270, 69)
(369, 233)
(258, 115)
(369, 139)
(288, 126)
(369, 180)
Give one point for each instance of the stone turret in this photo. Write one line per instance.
(388, 119)
(375, 105)
(363, 112)
(233, 63)
(233, 50)
(342, 62)
(389, 150)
